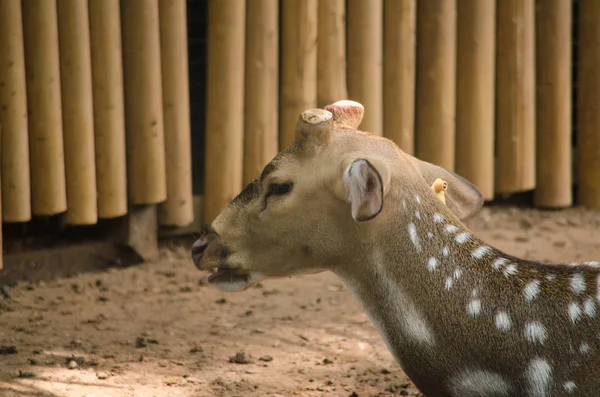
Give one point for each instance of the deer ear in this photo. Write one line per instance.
(366, 183)
(462, 197)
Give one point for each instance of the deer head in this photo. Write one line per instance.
(320, 203)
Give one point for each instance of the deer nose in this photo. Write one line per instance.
(198, 249)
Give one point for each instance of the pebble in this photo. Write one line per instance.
(72, 364)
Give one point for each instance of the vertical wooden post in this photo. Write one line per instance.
(1, 220)
(331, 48)
(78, 114)
(42, 72)
(144, 123)
(262, 77)
(178, 210)
(224, 146)
(399, 73)
(515, 96)
(588, 117)
(436, 81)
(365, 59)
(298, 64)
(109, 111)
(475, 79)
(553, 103)
(16, 195)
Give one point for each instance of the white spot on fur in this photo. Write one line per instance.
(418, 199)
(584, 348)
(418, 214)
(577, 283)
(510, 270)
(475, 292)
(412, 231)
(550, 277)
(446, 251)
(432, 264)
(404, 204)
(598, 288)
(462, 237)
(499, 262)
(437, 218)
(531, 291)
(474, 307)
(535, 332)
(451, 229)
(594, 264)
(476, 383)
(539, 377)
(457, 273)
(574, 312)
(449, 283)
(503, 322)
(589, 307)
(429, 234)
(480, 252)
(569, 386)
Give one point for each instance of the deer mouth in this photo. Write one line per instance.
(224, 274)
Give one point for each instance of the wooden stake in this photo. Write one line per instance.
(365, 59)
(588, 117)
(224, 145)
(144, 123)
(515, 97)
(399, 73)
(298, 64)
(262, 77)
(178, 210)
(42, 71)
(16, 195)
(476, 50)
(331, 48)
(553, 103)
(436, 81)
(78, 113)
(109, 111)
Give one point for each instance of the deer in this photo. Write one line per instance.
(460, 317)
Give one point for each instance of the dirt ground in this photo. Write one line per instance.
(158, 330)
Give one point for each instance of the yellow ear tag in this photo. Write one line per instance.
(439, 187)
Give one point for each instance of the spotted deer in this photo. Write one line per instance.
(462, 318)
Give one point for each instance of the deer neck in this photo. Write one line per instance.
(462, 317)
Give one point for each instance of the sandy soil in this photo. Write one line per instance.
(158, 330)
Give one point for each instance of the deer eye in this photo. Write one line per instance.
(279, 189)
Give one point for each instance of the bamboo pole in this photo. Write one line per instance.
(146, 174)
(224, 146)
(331, 52)
(588, 117)
(78, 114)
(1, 220)
(399, 73)
(42, 71)
(365, 59)
(16, 194)
(476, 34)
(298, 64)
(178, 209)
(262, 76)
(109, 111)
(553, 104)
(515, 96)
(436, 81)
